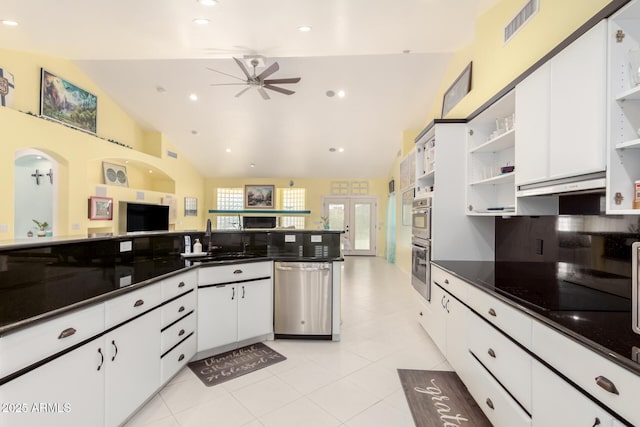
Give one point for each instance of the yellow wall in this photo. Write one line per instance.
(80, 155)
(316, 189)
(496, 64)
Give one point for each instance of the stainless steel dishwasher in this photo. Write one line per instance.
(302, 300)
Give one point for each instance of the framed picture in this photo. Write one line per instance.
(460, 87)
(190, 206)
(100, 208)
(259, 196)
(115, 174)
(66, 103)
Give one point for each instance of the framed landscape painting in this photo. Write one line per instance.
(66, 103)
(259, 196)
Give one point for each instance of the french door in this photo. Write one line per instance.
(357, 216)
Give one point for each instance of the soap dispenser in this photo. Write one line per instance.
(197, 247)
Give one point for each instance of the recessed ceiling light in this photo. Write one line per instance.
(304, 28)
(341, 94)
(201, 21)
(253, 165)
(9, 23)
(193, 97)
(150, 171)
(208, 2)
(340, 149)
(228, 150)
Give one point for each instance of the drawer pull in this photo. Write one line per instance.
(115, 347)
(181, 333)
(101, 359)
(607, 385)
(492, 312)
(138, 303)
(181, 285)
(181, 309)
(446, 281)
(233, 293)
(242, 291)
(492, 353)
(181, 358)
(490, 403)
(442, 300)
(596, 422)
(66, 333)
(237, 271)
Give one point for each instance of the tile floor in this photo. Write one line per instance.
(322, 383)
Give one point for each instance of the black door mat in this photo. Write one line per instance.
(440, 398)
(235, 363)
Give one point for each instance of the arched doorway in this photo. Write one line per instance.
(35, 192)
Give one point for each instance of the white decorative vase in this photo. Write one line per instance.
(42, 233)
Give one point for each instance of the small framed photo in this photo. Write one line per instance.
(190, 206)
(115, 174)
(259, 196)
(458, 90)
(100, 208)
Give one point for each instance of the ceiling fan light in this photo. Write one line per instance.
(341, 94)
(9, 23)
(208, 2)
(201, 21)
(304, 28)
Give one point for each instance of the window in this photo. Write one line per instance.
(293, 199)
(232, 199)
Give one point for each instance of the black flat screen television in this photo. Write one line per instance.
(143, 217)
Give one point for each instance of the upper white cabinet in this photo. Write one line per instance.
(491, 159)
(623, 167)
(561, 113)
(425, 163)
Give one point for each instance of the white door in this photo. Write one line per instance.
(357, 216)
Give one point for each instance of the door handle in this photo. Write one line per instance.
(233, 293)
(113, 343)
(101, 359)
(242, 291)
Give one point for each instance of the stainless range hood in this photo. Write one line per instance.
(581, 184)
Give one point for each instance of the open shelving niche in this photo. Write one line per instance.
(623, 152)
(490, 192)
(425, 163)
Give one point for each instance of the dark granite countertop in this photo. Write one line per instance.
(556, 295)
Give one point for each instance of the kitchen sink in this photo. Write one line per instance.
(224, 257)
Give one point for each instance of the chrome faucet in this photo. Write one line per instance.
(207, 234)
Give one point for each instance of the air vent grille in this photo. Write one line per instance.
(522, 17)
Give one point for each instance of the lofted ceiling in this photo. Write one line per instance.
(148, 55)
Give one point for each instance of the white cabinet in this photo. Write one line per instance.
(623, 167)
(561, 113)
(557, 403)
(132, 366)
(68, 391)
(490, 155)
(235, 303)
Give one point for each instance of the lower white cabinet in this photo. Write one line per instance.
(234, 312)
(132, 366)
(557, 403)
(68, 391)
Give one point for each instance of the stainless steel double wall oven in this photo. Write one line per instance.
(421, 247)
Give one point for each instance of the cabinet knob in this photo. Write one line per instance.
(181, 285)
(596, 422)
(489, 403)
(181, 333)
(491, 353)
(492, 312)
(237, 271)
(446, 281)
(181, 309)
(138, 303)
(607, 385)
(421, 314)
(66, 333)
(181, 358)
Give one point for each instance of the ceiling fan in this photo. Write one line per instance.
(260, 81)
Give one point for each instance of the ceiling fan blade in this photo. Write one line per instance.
(281, 81)
(235, 77)
(269, 70)
(243, 68)
(264, 93)
(243, 91)
(279, 89)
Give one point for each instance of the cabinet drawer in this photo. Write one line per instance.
(453, 285)
(504, 359)
(173, 361)
(513, 322)
(585, 368)
(234, 273)
(131, 304)
(24, 347)
(494, 401)
(179, 284)
(178, 331)
(176, 309)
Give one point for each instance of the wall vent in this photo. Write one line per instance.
(172, 154)
(522, 17)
